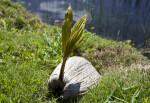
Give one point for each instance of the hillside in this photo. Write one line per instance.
(31, 49)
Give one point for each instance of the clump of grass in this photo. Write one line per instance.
(20, 22)
(26, 62)
(121, 84)
(27, 56)
(16, 16)
(105, 53)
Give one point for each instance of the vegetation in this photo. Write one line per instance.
(70, 37)
(30, 50)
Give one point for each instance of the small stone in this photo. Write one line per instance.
(58, 23)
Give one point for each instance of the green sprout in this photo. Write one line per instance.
(70, 37)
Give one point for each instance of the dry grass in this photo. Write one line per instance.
(110, 56)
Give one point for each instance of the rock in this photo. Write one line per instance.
(79, 76)
(128, 41)
(57, 23)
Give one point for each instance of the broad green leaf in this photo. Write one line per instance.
(76, 35)
(79, 26)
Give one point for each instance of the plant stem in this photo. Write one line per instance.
(61, 75)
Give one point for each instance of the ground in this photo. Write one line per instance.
(31, 49)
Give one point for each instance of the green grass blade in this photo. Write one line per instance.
(137, 92)
(124, 101)
(120, 89)
(111, 94)
(91, 51)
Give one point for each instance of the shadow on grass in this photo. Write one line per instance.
(71, 94)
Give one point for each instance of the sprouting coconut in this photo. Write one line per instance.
(75, 75)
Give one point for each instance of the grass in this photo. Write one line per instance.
(108, 53)
(121, 85)
(30, 50)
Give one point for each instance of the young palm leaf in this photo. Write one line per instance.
(70, 38)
